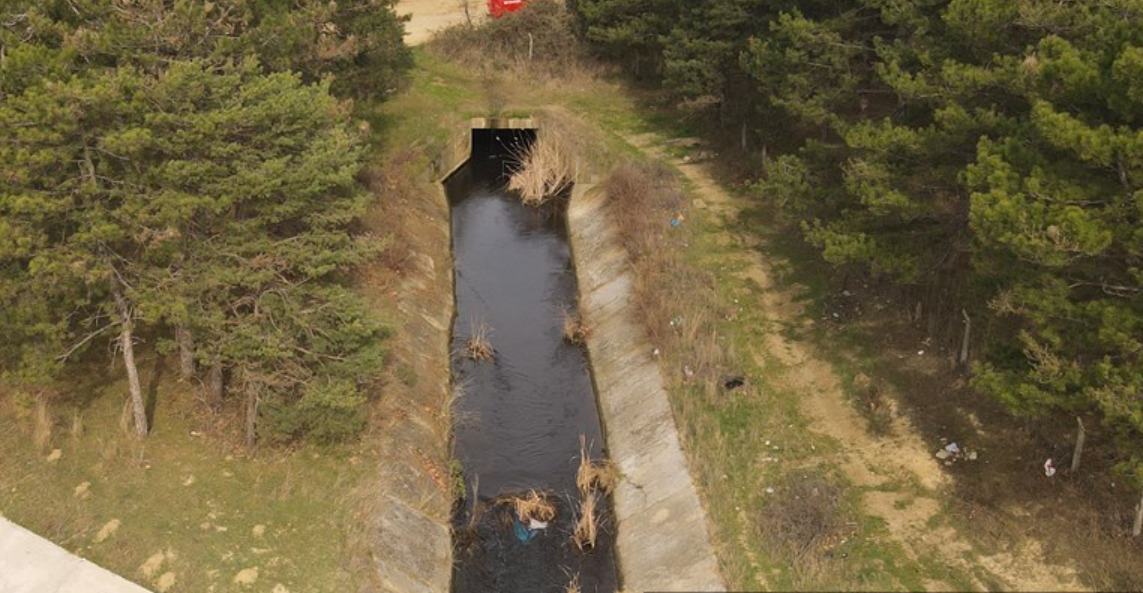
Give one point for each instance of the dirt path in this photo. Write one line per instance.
(429, 16)
(879, 465)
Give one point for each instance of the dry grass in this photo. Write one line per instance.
(573, 585)
(534, 505)
(545, 171)
(478, 347)
(643, 197)
(576, 332)
(586, 523)
(76, 424)
(592, 476)
(540, 39)
(801, 520)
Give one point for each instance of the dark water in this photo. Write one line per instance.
(519, 422)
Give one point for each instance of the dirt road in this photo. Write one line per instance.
(429, 16)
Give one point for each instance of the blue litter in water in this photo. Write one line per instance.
(523, 533)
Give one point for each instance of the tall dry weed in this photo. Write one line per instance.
(587, 523)
(592, 476)
(543, 172)
(549, 166)
(479, 347)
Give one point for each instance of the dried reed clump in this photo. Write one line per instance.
(534, 505)
(544, 170)
(591, 479)
(573, 585)
(550, 164)
(592, 476)
(576, 332)
(478, 347)
(586, 524)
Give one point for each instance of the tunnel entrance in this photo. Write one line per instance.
(526, 403)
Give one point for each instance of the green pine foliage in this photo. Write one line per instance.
(166, 165)
(998, 143)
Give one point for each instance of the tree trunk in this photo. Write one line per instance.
(1138, 528)
(1079, 447)
(967, 335)
(216, 386)
(138, 406)
(251, 419)
(185, 340)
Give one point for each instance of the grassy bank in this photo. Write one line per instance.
(183, 511)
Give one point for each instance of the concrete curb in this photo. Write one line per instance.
(663, 544)
(32, 564)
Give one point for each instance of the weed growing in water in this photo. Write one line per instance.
(586, 524)
(534, 505)
(576, 332)
(478, 347)
(592, 476)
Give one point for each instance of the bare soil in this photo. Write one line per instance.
(428, 16)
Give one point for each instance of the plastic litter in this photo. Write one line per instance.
(524, 534)
(952, 448)
(734, 382)
(1049, 468)
(535, 525)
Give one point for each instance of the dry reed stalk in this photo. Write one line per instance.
(576, 332)
(593, 476)
(478, 347)
(533, 506)
(586, 525)
(544, 171)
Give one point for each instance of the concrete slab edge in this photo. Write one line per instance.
(32, 564)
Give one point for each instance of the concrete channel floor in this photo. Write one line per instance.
(32, 564)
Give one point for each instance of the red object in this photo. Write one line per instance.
(498, 8)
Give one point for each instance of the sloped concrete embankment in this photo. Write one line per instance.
(663, 543)
(410, 535)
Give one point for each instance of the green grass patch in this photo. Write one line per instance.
(206, 509)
